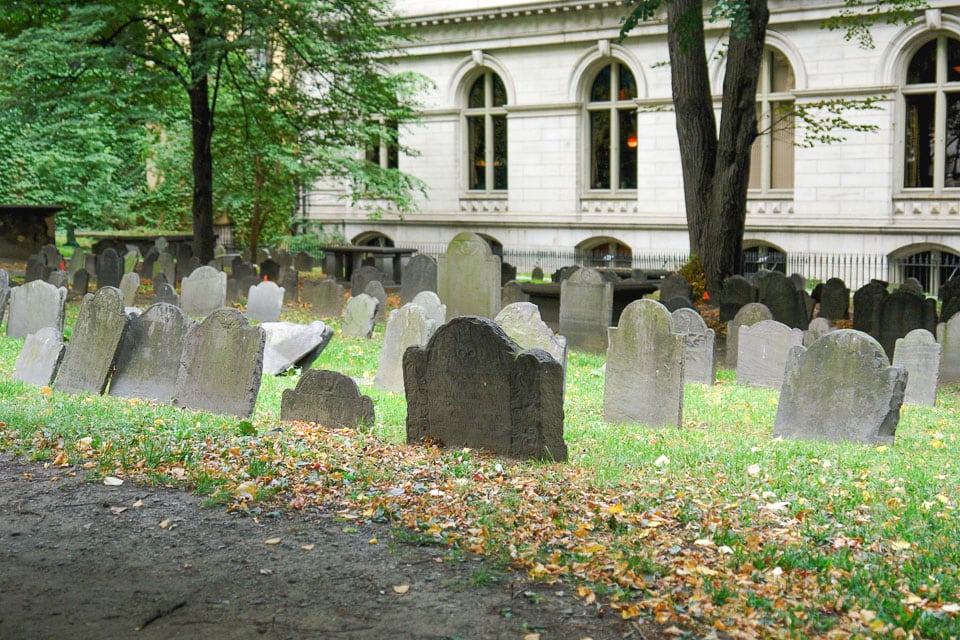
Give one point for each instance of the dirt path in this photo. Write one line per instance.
(79, 560)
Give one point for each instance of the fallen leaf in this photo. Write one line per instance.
(401, 588)
(273, 541)
(138, 504)
(372, 541)
(266, 572)
(110, 481)
(662, 461)
(117, 510)
(62, 459)
(307, 547)
(532, 636)
(164, 524)
(951, 607)
(753, 470)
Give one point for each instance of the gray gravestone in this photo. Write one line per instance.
(430, 301)
(77, 261)
(189, 265)
(468, 277)
(36, 305)
(233, 292)
(586, 310)
(81, 283)
(39, 358)
(149, 264)
(948, 335)
(129, 284)
(508, 272)
(109, 269)
(130, 260)
(677, 302)
(799, 281)
(762, 352)
(148, 360)
(4, 292)
(203, 292)
(92, 349)
(375, 289)
(867, 301)
(161, 245)
(901, 313)
(911, 285)
(36, 269)
(949, 294)
(57, 278)
(644, 374)
(818, 328)
(358, 316)
(328, 398)
(303, 262)
(292, 345)
(786, 303)
(472, 386)
(675, 286)
(290, 282)
(164, 292)
(512, 292)
(835, 300)
(521, 321)
(264, 302)
(841, 388)
(919, 353)
(750, 313)
(363, 276)
(537, 274)
(90, 264)
(699, 354)
(324, 297)
(408, 326)
(221, 365)
(270, 269)
(283, 258)
(168, 267)
(51, 256)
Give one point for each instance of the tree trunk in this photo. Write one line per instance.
(202, 128)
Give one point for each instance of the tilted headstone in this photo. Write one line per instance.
(841, 388)
(292, 345)
(430, 301)
(303, 262)
(36, 305)
(168, 267)
(521, 321)
(130, 260)
(407, 326)
(92, 349)
(919, 353)
(81, 283)
(586, 310)
(901, 313)
(39, 358)
(675, 286)
(109, 269)
(699, 354)
(786, 303)
(363, 276)
(265, 301)
(867, 301)
(270, 269)
(468, 277)
(203, 292)
(948, 335)
(818, 328)
(644, 373)
(750, 313)
(328, 398)
(834, 300)
(148, 360)
(129, 284)
(324, 297)
(375, 290)
(358, 316)
(512, 292)
(736, 293)
(762, 352)
(472, 386)
(290, 282)
(221, 365)
(36, 269)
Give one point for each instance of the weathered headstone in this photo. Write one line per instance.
(537, 274)
(762, 352)
(131, 259)
(468, 277)
(36, 269)
(129, 284)
(39, 358)
(290, 282)
(76, 262)
(161, 244)
(407, 326)
(818, 328)
(750, 313)
(148, 359)
(911, 285)
(303, 262)
(328, 398)
(841, 388)
(4, 292)
(51, 256)
(675, 286)
(187, 266)
(508, 272)
(375, 290)
(90, 264)
(472, 386)
(949, 294)
(799, 281)
(233, 292)
(358, 316)
(699, 355)
(919, 353)
(168, 267)
(563, 273)
(737, 292)
(363, 276)
(291, 345)
(92, 349)
(430, 301)
(786, 303)
(109, 269)
(81, 283)
(203, 292)
(512, 292)
(265, 301)
(948, 335)
(644, 375)
(149, 264)
(902, 312)
(221, 365)
(521, 321)
(324, 297)
(36, 305)
(270, 269)
(164, 292)
(867, 301)
(586, 310)
(283, 258)
(677, 302)
(834, 300)
(57, 278)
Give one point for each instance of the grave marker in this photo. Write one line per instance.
(586, 309)
(39, 358)
(762, 353)
(148, 359)
(468, 277)
(90, 354)
(328, 398)
(919, 354)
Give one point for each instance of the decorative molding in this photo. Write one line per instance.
(926, 208)
(769, 206)
(609, 206)
(484, 204)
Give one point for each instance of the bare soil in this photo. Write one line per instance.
(79, 559)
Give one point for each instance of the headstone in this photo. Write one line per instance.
(563, 273)
(81, 283)
(407, 326)
(511, 292)
(149, 264)
(328, 398)
(39, 358)
(867, 301)
(901, 313)
(363, 276)
(148, 360)
(508, 272)
(586, 310)
(699, 355)
(263, 254)
(786, 303)
(419, 274)
(841, 388)
(303, 262)
(221, 364)
(270, 269)
(644, 375)
(737, 292)
(750, 313)
(36, 268)
(948, 335)
(468, 277)
(919, 353)
(36, 305)
(358, 316)
(521, 321)
(799, 281)
(949, 294)
(677, 302)
(57, 278)
(161, 244)
(109, 269)
(292, 345)
(244, 284)
(675, 286)
(203, 292)
(283, 258)
(290, 282)
(911, 285)
(90, 263)
(76, 262)
(168, 267)
(130, 260)
(537, 274)
(92, 349)
(324, 297)
(187, 266)
(241, 269)
(835, 300)
(129, 284)
(233, 291)
(430, 301)
(375, 290)
(51, 256)
(4, 292)
(164, 292)
(472, 386)
(264, 302)
(818, 328)
(763, 350)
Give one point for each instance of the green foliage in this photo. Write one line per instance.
(692, 270)
(857, 16)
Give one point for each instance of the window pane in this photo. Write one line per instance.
(600, 91)
(951, 168)
(499, 92)
(923, 66)
(477, 152)
(756, 160)
(781, 147)
(628, 148)
(628, 86)
(781, 73)
(918, 146)
(475, 100)
(599, 149)
(393, 151)
(499, 152)
(953, 60)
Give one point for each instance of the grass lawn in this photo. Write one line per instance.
(714, 527)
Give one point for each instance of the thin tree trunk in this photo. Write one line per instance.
(202, 128)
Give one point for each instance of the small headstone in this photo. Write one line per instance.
(472, 386)
(699, 355)
(221, 365)
(948, 335)
(303, 262)
(36, 268)
(750, 313)
(644, 374)
(867, 301)
(563, 273)
(522, 322)
(57, 278)
(149, 264)
(586, 310)
(818, 328)
(289, 281)
(265, 301)
(270, 269)
(835, 300)
(36, 305)
(51, 256)
(162, 245)
(168, 267)
(430, 301)
(39, 358)
(219, 250)
(363, 276)
(186, 267)
(130, 260)
(148, 359)
(283, 258)
(81, 283)
(468, 277)
(358, 316)
(675, 286)
(375, 290)
(292, 345)
(109, 269)
(164, 292)
(93, 344)
(762, 353)
(512, 292)
(244, 284)
(77, 261)
(233, 291)
(841, 388)
(324, 297)
(407, 326)
(799, 281)
(129, 284)
(90, 263)
(736, 293)
(203, 292)
(537, 274)
(328, 398)
(919, 353)
(419, 274)
(901, 313)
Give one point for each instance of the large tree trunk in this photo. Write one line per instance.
(202, 127)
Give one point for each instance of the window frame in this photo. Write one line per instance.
(486, 114)
(767, 99)
(613, 108)
(386, 152)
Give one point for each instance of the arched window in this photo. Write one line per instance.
(931, 96)
(486, 121)
(612, 114)
(771, 160)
